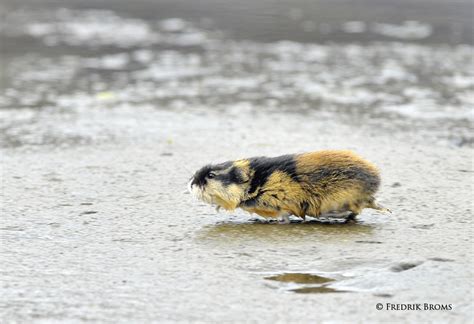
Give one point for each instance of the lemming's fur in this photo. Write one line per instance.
(323, 183)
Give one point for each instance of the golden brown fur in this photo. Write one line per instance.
(311, 184)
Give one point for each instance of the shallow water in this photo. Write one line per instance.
(107, 113)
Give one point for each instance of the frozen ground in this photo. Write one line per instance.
(105, 232)
(106, 115)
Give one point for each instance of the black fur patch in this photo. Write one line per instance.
(249, 203)
(263, 167)
(233, 176)
(201, 176)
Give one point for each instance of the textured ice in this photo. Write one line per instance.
(113, 61)
(354, 27)
(408, 30)
(92, 28)
(199, 67)
(173, 24)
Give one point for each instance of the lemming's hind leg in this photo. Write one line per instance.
(356, 207)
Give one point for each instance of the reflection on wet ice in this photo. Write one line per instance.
(302, 232)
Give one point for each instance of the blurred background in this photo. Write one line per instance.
(74, 71)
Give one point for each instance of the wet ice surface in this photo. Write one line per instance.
(100, 134)
(105, 232)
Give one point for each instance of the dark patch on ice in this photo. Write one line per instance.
(383, 295)
(12, 228)
(369, 242)
(423, 226)
(317, 290)
(462, 141)
(89, 212)
(306, 278)
(403, 266)
(441, 259)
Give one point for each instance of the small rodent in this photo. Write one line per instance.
(327, 183)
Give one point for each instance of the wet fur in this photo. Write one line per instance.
(322, 183)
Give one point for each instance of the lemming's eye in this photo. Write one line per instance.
(211, 175)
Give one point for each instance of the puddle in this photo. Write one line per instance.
(306, 278)
(304, 283)
(236, 233)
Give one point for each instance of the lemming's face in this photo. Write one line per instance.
(223, 184)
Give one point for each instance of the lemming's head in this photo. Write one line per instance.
(225, 184)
